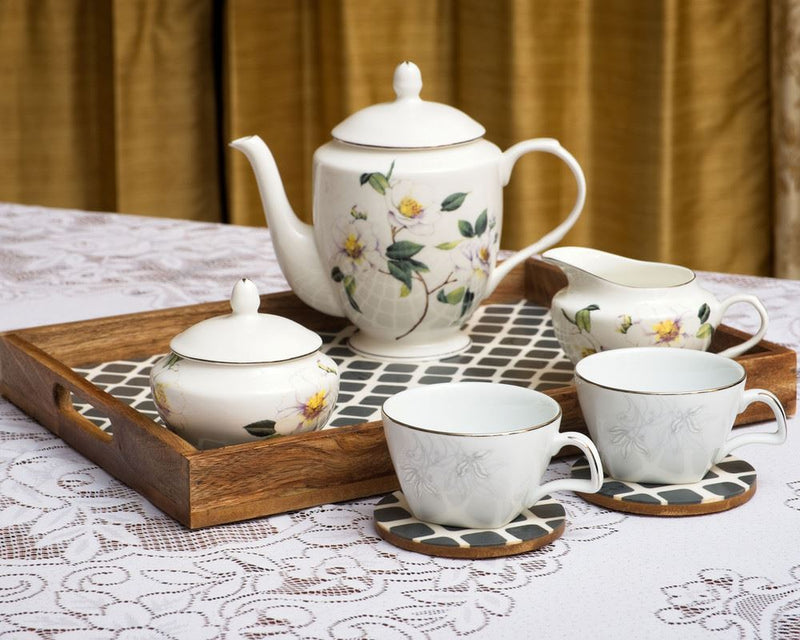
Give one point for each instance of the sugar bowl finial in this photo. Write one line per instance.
(245, 298)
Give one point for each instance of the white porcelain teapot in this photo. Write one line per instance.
(407, 213)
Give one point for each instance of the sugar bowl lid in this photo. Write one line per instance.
(409, 122)
(245, 336)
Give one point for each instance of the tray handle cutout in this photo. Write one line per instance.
(99, 428)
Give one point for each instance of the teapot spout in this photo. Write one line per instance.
(293, 239)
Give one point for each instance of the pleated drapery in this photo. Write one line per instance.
(110, 105)
(676, 109)
(786, 135)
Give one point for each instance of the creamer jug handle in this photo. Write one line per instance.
(739, 349)
(507, 161)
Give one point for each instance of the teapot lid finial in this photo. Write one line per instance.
(409, 122)
(407, 82)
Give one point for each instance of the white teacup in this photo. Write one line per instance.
(665, 415)
(472, 454)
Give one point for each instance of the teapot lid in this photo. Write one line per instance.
(245, 336)
(409, 122)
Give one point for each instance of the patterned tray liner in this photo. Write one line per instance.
(512, 344)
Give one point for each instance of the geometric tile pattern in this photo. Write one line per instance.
(395, 522)
(511, 343)
(726, 481)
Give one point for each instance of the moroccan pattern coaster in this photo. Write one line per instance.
(533, 528)
(728, 484)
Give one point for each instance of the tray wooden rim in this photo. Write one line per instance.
(196, 486)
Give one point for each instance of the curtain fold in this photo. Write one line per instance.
(785, 78)
(683, 113)
(56, 122)
(109, 105)
(664, 104)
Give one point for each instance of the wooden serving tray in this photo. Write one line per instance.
(206, 487)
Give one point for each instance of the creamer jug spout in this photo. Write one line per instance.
(293, 239)
(586, 267)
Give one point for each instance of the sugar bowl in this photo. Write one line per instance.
(244, 377)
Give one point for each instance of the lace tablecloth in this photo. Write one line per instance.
(82, 556)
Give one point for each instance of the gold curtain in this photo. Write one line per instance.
(786, 135)
(127, 104)
(109, 105)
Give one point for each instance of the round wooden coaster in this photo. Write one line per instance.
(728, 484)
(533, 528)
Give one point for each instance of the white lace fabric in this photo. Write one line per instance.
(83, 556)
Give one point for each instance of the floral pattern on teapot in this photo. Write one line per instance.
(412, 219)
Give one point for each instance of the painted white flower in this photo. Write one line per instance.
(357, 248)
(308, 412)
(412, 205)
(480, 253)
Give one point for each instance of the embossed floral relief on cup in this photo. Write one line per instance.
(651, 431)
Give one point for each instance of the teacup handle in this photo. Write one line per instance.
(739, 349)
(507, 161)
(595, 481)
(773, 437)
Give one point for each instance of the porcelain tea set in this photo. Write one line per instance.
(407, 224)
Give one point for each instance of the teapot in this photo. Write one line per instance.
(612, 302)
(407, 218)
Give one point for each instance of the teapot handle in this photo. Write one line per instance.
(507, 161)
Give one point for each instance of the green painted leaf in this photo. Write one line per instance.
(447, 246)
(453, 201)
(705, 331)
(466, 302)
(625, 324)
(261, 429)
(404, 291)
(389, 174)
(350, 285)
(704, 312)
(583, 320)
(465, 229)
(416, 265)
(403, 249)
(379, 182)
(357, 215)
(352, 301)
(401, 271)
(364, 178)
(453, 298)
(336, 274)
(564, 312)
(456, 296)
(350, 290)
(481, 222)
